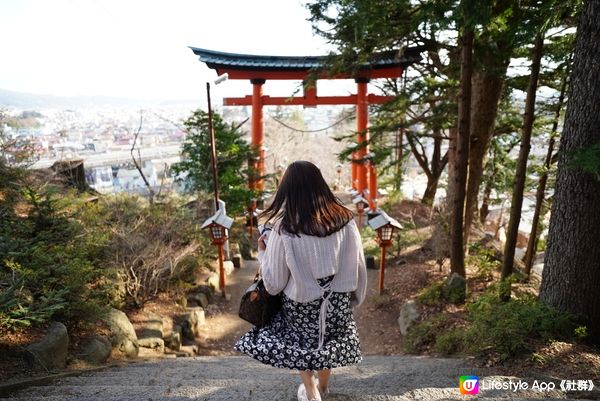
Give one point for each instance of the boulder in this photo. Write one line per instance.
(213, 281)
(96, 350)
(190, 327)
(154, 343)
(173, 340)
(122, 333)
(227, 266)
(455, 289)
(409, 315)
(199, 298)
(51, 351)
(204, 289)
(153, 327)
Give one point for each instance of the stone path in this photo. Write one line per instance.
(390, 378)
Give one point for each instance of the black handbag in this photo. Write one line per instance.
(257, 305)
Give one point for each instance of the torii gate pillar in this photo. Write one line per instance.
(361, 167)
(258, 138)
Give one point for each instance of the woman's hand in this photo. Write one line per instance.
(262, 244)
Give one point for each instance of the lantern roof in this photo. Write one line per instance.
(359, 198)
(218, 218)
(383, 219)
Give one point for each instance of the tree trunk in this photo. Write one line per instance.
(487, 89)
(430, 190)
(519, 186)
(571, 275)
(541, 189)
(433, 169)
(457, 254)
(485, 203)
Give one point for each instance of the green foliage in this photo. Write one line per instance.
(233, 153)
(450, 341)
(46, 269)
(504, 329)
(17, 309)
(423, 335)
(509, 328)
(483, 260)
(431, 295)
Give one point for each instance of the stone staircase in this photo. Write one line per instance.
(389, 378)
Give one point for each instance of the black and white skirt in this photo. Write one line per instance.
(291, 340)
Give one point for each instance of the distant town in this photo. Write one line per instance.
(101, 133)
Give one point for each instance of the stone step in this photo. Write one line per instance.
(389, 378)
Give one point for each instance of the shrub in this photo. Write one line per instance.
(148, 247)
(431, 295)
(450, 342)
(46, 269)
(483, 260)
(509, 328)
(423, 335)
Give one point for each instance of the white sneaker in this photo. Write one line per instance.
(302, 394)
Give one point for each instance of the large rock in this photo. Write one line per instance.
(155, 343)
(153, 326)
(51, 351)
(228, 266)
(192, 322)
(173, 341)
(213, 281)
(409, 315)
(455, 289)
(199, 298)
(96, 350)
(122, 333)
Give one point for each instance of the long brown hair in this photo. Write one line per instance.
(305, 204)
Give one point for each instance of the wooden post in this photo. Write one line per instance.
(382, 269)
(372, 186)
(221, 269)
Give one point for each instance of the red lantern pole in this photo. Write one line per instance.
(382, 268)
(221, 269)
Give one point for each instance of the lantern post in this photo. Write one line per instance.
(219, 225)
(385, 226)
(361, 204)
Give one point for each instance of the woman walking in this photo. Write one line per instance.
(314, 256)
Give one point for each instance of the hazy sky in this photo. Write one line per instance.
(139, 49)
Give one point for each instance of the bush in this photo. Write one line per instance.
(504, 329)
(450, 342)
(46, 269)
(483, 260)
(423, 335)
(431, 295)
(147, 247)
(509, 328)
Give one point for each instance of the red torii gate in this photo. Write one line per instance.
(258, 69)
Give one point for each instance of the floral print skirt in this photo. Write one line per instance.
(291, 340)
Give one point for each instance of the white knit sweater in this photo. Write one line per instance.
(293, 264)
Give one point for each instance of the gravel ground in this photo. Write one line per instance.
(389, 378)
